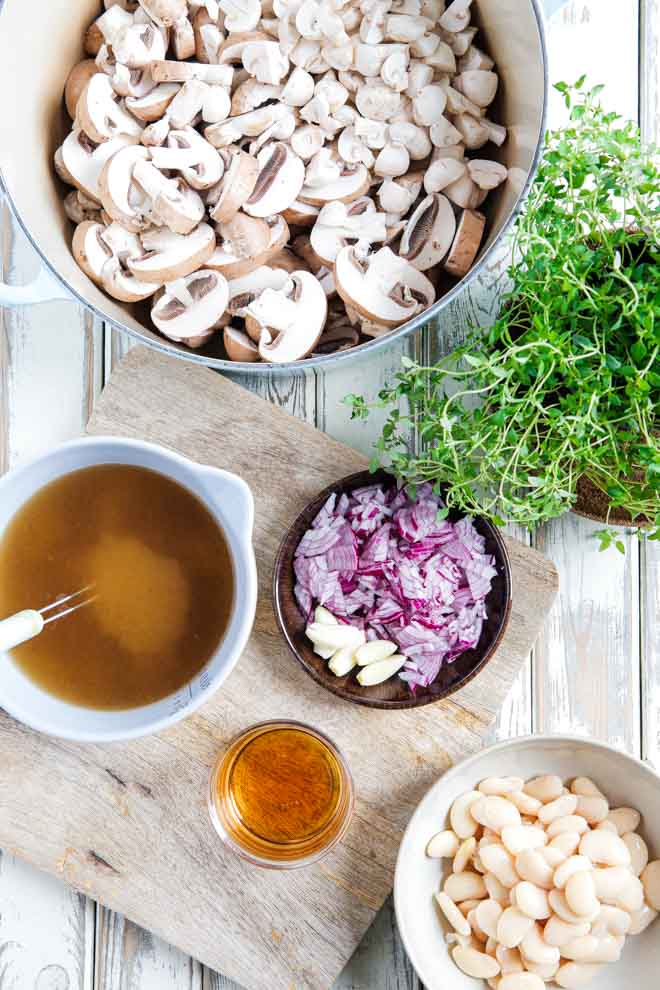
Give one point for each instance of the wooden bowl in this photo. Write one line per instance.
(393, 693)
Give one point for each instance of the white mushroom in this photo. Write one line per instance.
(76, 82)
(466, 243)
(79, 207)
(99, 114)
(372, 132)
(429, 105)
(240, 15)
(429, 232)
(216, 105)
(138, 45)
(443, 134)
(406, 27)
(90, 250)
(394, 71)
(353, 181)
(238, 345)
(190, 307)
(187, 103)
(236, 185)
(382, 287)
(442, 59)
(208, 37)
(79, 161)
(265, 61)
(183, 39)
(465, 193)
(251, 94)
(474, 58)
(153, 105)
(414, 139)
(244, 289)
(247, 243)
(299, 88)
(392, 161)
(292, 318)
(174, 203)
(341, 223)
(478, 85)
(249, 124)
(426, 45)
(165, 12)
(105, 28)
(396, 196)
(123, 286)
(368, 59)
(473, 133)
(280, 180)
(377, 101)
(301, 214)
(307, 140)
(190, 154)
(456, 17)
(214, 75)
(442, 172)
(167, 256)
(123, 200)
(419, 75)
(487, 174)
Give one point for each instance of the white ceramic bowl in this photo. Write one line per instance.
(624, 780)
(229, 501)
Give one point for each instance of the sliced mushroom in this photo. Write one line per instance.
(429, 105)
(190, 154)
(234, 188)
(292, 318)
(245, 288)
(240, 15)
(232, 48)
(152, 106)
(474, 58)
(353, 182)
(285, 261)
(392, 161)
(76, 83)
(174, 203)
(79, 161)
(90, 250)
(169, 71)
(299, 88)
(188, 102)
(123, 286)
(377, 101)
(208, 37)
(167, 256)
(456, 17)
(79, 207)
(99, 114)
(135, 83)
(382, 287)
(337, 336)
(123, 200)
(165, 12)
(464, 192)
(414, 139)
(300, 214)
(183, 39)
(429, 232)
(238, 345)
(441, 173)
(396, 196)
(307, 140)
(251, 94)
(280, 180)
(472, 131)
(466, 244)
(105, 28)
(249, 124)
(487, 174)
(189, 309)
(244, 242)
(138, 45)
(496, 133)
(265, 61)
(339, 224)
(478, 85)
(443, 134)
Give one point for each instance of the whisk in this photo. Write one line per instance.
(27, 624)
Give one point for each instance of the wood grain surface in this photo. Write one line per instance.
(53, 363)
(127, 824)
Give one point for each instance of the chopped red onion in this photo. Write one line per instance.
(381, 559)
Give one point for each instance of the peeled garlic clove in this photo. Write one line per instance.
(343, 661)
(337, 636)
(324, 617)
(381, 670)
(372, 652)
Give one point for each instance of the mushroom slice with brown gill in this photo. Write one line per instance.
(280, 179)
(79, 161)
(239, 346)
(466, 243)
(243, 243)
(153, 105)
(190, 154)
(191, 306)
(168, 256)
(174, 203)
(170, 71)
(238, 180)
(382, 287)
(353, 182)
(116, 279)
(124, 200)
(339, 224)
(79, 207)
(100, 115)
(292, 318)
(429, 232)
(90, 250)
(76, 82)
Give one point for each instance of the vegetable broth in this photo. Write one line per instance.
(163, 581)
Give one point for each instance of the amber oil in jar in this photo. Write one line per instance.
(281, 795)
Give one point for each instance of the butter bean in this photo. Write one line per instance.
(585, 786)
(466, 906)
(497, 860)
(624, 819)
(512, 927)
(500, 785)
(569, 823)
(640, 920)
(608, 950)
(452, 914)
(553, 855)
(464, 854)
(651, 881)
(521, 981)
(580, 895)
(558, 932)
(611, 921)
(488, 914)
(525, 803)
(593, 808)
(509, 960)
(580, 949)
(545, 970)
(559, 904)
(461, 886)
(574, 864)
(495, 812)
(545, 788)
(561, 807)
(474, 963)
(460, 819)
(607, 826)
(515, 838)
(610, 882)
(568, 842)
(605, 849)
(477, 931)
(496, 890)
(536, 949)
(443, 845)
(532, 900)
(639, 851)
(573, 976)
(531, 865)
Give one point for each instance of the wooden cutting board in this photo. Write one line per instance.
(127, 823)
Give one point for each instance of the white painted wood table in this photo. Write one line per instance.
(595, 669)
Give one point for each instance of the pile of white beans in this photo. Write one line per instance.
(545, 883)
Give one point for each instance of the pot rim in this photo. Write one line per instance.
(324, 361)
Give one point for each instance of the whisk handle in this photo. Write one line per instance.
(19, 628)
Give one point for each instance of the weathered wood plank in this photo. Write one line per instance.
(50, 361)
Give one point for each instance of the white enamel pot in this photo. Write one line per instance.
(229, 501)
(37, 50)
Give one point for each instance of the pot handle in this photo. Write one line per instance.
(44, 288)
(234, 497)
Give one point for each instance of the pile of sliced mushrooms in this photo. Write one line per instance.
(291, 173)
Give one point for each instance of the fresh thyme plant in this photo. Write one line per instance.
(566, 383)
